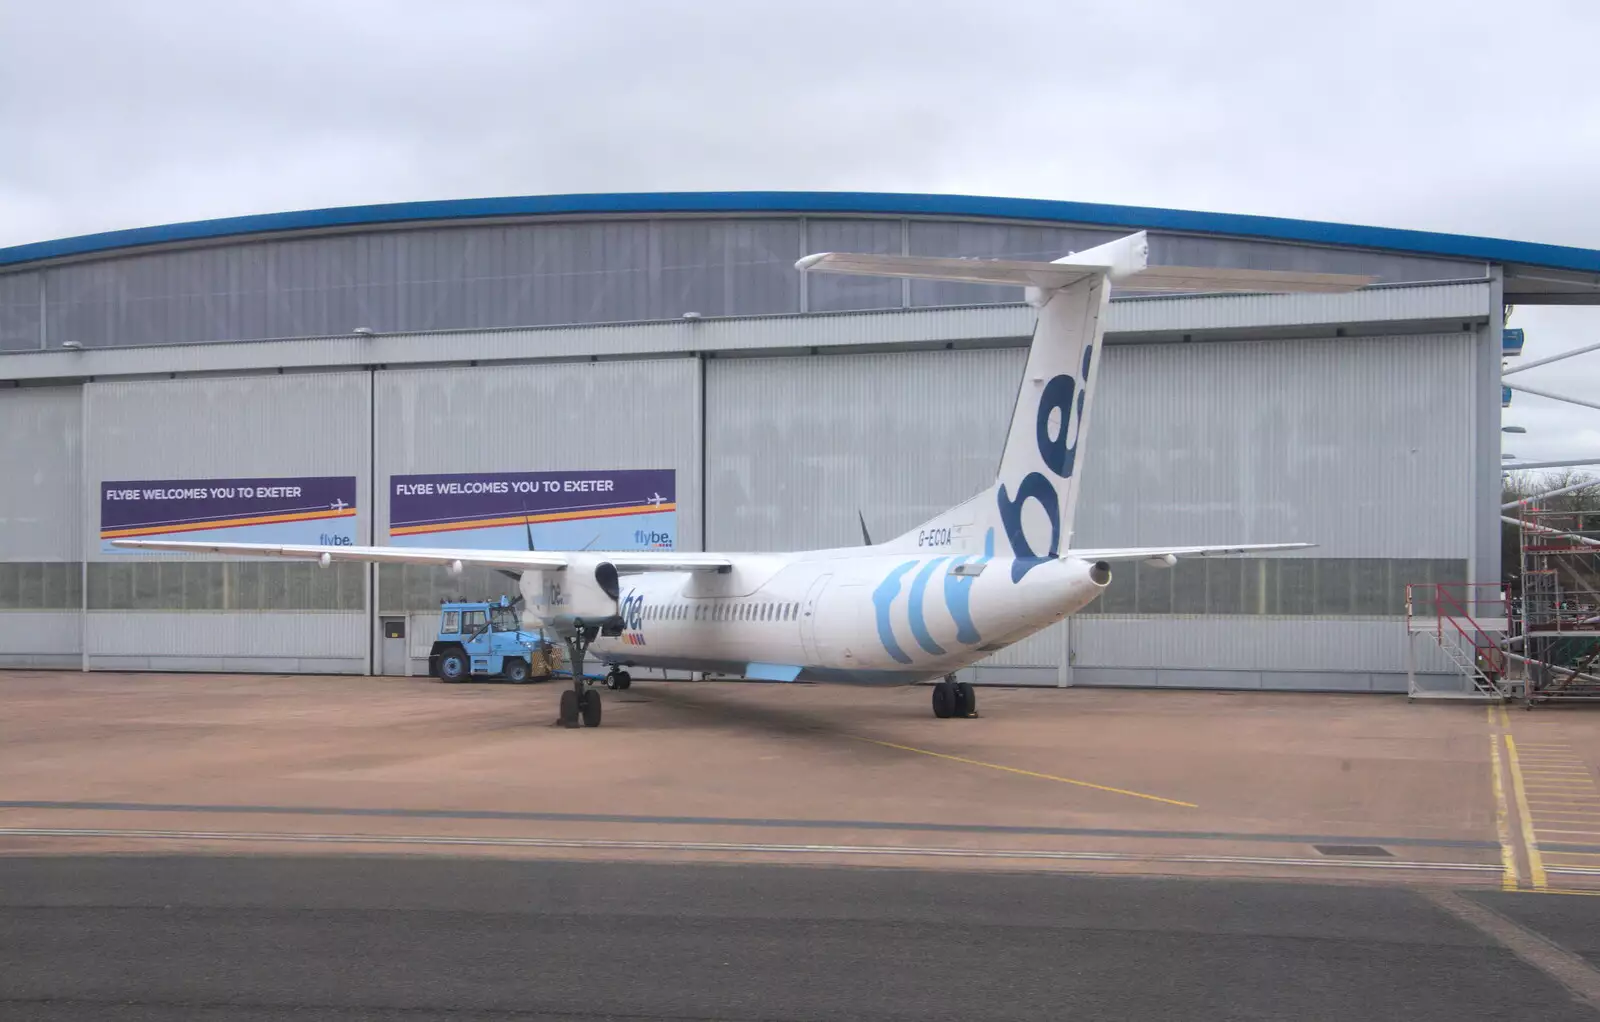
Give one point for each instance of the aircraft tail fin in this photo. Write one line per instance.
(1028, 513)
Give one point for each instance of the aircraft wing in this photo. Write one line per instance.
(1173, 553)
(629, 562)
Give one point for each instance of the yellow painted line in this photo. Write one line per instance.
(1028, 773)
(1509, 880)
(1535, 864)
(1505, 719)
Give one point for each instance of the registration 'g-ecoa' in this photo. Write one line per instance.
(975, 579)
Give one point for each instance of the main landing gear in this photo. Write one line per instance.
(952, 698)
(618, 679)
(581, 702)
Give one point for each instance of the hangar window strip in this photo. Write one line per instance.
(1267, 587)
(35, 585)
(226, 585)
(408, 587)
(1272, 587)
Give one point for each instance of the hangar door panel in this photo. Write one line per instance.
(256, 459)
(1352, 444)
(504, 424)
(796, 447)
(41, 568)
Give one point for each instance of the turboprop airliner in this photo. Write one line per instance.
(954, 590)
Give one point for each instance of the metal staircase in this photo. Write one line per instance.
(1468, 622)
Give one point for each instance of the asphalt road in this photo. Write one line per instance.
(234, 938)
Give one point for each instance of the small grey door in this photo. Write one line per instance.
(393, 660)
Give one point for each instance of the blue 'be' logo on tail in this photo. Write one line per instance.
(1058, 456)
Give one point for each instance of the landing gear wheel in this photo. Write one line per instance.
(622, 681)
(966, 700)
(453, 666)
(589, 703)
(569, 708)
(516, 671)
(944, 698)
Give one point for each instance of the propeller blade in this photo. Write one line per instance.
(866, 537)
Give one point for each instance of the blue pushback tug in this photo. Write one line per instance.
(484, 639)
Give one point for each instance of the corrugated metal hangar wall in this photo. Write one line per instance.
(1239, 419)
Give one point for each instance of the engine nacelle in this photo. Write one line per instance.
(582, 598)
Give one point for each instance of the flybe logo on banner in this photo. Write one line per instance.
(296, 509)
(625, 509)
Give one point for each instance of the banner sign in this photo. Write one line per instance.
(633, 509)
(316, 510)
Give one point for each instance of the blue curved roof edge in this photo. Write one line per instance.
(883, 203)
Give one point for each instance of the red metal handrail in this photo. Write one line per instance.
(1483, 649)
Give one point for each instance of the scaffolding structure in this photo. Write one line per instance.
(1556, 642)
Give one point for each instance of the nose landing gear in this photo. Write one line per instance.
(580, 704)
(952, 698)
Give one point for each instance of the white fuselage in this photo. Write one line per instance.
(857, 615)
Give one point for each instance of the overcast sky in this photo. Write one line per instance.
(1460, 116)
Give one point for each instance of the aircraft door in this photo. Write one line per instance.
(808, 619)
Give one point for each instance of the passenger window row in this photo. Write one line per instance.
(722, 610)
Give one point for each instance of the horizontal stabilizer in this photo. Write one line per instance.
(1214, 279)
(1014, 272)
(1155, 553)
(1125, 261)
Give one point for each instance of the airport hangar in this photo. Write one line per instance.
(671, 331)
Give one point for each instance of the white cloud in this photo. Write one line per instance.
(116, 115)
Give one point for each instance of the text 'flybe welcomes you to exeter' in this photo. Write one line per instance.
(298, 509)
(633, 509)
